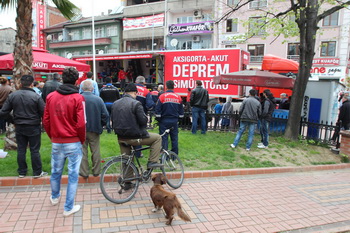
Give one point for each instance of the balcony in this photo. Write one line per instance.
(256, 59)
(144, 9)
(80, 43)
(293, 57)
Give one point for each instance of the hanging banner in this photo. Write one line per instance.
(39, 23)
(191, 28)
(143, 22)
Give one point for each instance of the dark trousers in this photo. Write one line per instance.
(28, 134)
(174, 132)
(109, 109)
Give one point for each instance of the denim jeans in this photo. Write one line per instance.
(109, 109)
(264, 131)
(242, 127)
(60, 152)
(174, 133)
(198, 113)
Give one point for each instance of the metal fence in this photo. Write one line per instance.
(323, 132)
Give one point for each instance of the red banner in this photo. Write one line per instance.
(39, 23)
(185, 67)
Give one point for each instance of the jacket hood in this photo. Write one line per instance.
(67, 89)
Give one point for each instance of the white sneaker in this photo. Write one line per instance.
(263, 147)
(232, 146)
(260, 144)
(54, 201)
(247, 149)
(41, 175)
(75, 209)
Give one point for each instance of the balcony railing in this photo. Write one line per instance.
(256, 58)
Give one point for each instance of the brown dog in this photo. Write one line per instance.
(167, 200)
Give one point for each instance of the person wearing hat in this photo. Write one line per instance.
(28, 109)
(129, 123)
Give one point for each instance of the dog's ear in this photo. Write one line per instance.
(154, 176)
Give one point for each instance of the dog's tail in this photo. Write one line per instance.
(181, 213)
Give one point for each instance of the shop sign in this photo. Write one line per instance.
(191, 28)
(323, 72)
(40, 65)
(143, 22)
(39, 24)
(326, 61)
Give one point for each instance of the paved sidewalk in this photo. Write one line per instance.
(316, 201)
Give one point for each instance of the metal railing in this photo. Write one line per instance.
(323, 132)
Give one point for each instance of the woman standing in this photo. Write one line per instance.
(5, 90)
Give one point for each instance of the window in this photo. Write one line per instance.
(328, 49)
(112, 31)
(87, 33)
(232, 2)
(331, 20)
(231, 25)
(99, 32)
(75, 35)
(293, 49)
(256, 4)
(256, 52)
(56, 37)
(256, 26)
(185, 19)
(187, 45)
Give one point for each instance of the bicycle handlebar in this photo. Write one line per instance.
(166, 131)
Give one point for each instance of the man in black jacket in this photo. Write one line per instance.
(51, 86)
(129, 123)
(109, 94)
(344, 113)
(268, 106)
(28, 109)
(199, 103)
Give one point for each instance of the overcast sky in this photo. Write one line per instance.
(8, 17)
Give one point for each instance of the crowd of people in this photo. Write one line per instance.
(74, 116)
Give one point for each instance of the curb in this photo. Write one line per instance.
(15, 181)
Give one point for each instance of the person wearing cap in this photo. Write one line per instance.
(129, 123)
(89, 77)
(28, 109)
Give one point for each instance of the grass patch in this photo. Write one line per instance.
(198, 152)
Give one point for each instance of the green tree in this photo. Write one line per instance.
(308, 13)
(23, 57)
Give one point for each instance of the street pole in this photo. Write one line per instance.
(153, 32)
(93, 42)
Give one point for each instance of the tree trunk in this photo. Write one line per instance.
(307, 23)
(22, 54)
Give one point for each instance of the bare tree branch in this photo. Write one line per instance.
(332, 10)
(232, 10)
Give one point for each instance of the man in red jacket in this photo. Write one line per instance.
(64, 122)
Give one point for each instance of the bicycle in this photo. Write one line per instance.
(121, 176)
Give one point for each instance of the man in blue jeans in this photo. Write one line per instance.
(249, 112)
(199, 103)
(64, 122)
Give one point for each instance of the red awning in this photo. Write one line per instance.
(279, 65)
(44, 62)
(255, 78)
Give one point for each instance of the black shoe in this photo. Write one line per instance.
(96, 175)
(128, 185)
(109, 131)
(154, 165)
(85, 177)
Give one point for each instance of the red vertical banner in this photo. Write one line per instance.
(41, 20)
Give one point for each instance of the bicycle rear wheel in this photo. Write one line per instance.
(119, 180)
(173, 169)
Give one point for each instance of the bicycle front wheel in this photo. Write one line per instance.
(119, 180)
(173, 169)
